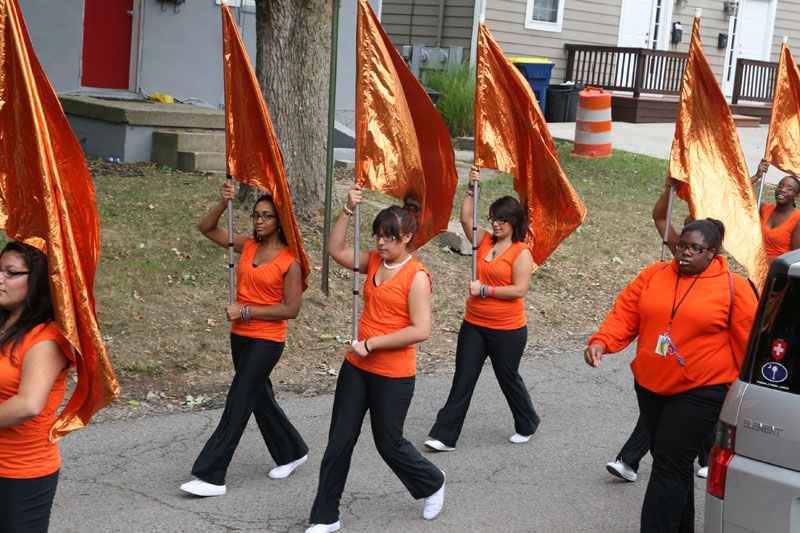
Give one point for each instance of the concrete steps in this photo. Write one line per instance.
(190, 149)
(746, 121)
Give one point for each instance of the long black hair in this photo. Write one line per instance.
(38, 306)
(268, 198)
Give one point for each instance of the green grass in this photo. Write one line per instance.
(456, 105)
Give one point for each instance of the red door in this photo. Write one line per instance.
(107, 43)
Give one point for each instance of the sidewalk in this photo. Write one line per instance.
(124, 476)
(655, 140)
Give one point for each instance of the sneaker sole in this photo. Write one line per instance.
(435, 449)
(616, 473)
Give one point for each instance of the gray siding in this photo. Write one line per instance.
(416, 22)
(787, 22)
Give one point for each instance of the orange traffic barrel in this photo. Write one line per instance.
(593, 124)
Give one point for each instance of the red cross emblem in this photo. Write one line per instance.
(778, 349)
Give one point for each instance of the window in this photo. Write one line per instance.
(544, 15)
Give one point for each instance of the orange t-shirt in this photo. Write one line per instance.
(259, 287)
(25, 451)
(778, 241)
(712, 348)
(493, 312)
(386, 311)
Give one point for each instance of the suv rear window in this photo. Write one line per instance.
(773, 358)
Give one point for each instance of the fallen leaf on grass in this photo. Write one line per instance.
(211, 322)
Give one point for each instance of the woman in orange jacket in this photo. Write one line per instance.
(779, 221)
(494, 325)
(692, 317)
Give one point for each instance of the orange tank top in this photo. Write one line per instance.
(260, 286)
(492, 312)
(386, 311)
(25, 451)
(778, 241)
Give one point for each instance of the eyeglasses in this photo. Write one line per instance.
(693, 248)
(8, 274)
(387, 238)
(499, 221)
(266, 217)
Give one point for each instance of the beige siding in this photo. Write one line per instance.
(416, 22)
(787, 22)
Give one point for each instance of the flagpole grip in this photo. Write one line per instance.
(665, 242)
(231, 272)
(356, 239)
(475, 188)
(761, 189)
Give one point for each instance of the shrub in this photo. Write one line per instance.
(456, 105)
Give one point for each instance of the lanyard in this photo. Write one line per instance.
(675, 296)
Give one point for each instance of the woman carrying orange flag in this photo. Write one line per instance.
(379, 370)
(692, 317)
(268, 293)
(779, 221)
(495, 324)
(34, 360)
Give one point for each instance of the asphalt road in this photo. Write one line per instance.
(124, 476)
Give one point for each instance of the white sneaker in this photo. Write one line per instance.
(434, 502)
(280, 472)
(516, 438)
(702, 472)
(621, 470)
(438, 446)
(198, 487)
(324, 528)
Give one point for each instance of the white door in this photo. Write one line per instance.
(750, 36)
(635, 23)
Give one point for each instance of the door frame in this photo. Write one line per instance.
(662, 43)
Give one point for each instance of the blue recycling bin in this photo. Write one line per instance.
(537, 71)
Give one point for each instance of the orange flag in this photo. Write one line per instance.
(783, 141)
(707, 157)
(511, 135)
(403, 147)
(47, 200)
(254, 156)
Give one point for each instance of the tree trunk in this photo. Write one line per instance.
(293, 48)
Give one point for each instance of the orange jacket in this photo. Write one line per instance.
(386, 311)
(778, 241)
(25, 451)
(711, 346)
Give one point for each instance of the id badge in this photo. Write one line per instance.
(662, 345)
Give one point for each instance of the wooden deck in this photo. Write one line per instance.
(627, 108)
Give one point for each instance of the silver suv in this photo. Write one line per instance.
(754, 469)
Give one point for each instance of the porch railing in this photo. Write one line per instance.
(754, 81)
(638, 70)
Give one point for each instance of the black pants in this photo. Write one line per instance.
(504, 348)
(678, 426)
(25, 503)
(638, 445)
(250, 393)
(388, 400)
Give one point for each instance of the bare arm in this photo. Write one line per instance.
(419, 311)
(337, 247)
(209, 226)
(40, 368)
(467, 207)
(796, 237)
(285, 310)
(660, 216)
(521, 272)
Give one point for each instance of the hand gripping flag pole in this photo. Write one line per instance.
(231, 264)
(475, 187)
(356, 239)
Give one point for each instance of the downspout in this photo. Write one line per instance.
(440, 24)
(479, 16)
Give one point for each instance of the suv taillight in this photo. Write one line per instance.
(721, 455)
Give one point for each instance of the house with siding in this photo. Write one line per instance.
(743, 33)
